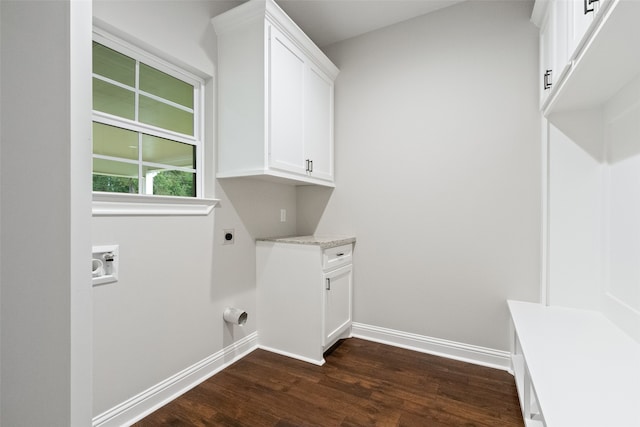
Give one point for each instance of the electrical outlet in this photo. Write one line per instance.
(229, 237)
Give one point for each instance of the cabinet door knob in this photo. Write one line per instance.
(328, 284)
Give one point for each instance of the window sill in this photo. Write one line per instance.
(119, 204)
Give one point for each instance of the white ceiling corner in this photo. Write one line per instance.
(331, 21)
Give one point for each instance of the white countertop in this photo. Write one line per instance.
(325, 242)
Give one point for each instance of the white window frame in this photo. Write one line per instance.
(105, 203)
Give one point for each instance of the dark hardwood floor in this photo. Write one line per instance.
(362, 384)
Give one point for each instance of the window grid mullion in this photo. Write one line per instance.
(144, 93)
(113, 82)
(111, 120)
(115, 159)
(137, 93)
(142, 187)
(166, 101)
(169, 167)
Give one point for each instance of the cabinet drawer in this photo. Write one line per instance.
(335, 257)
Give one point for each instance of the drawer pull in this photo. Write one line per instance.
(340, 254)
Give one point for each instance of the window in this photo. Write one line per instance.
(147, 136)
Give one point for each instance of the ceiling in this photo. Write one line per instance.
(330, 21)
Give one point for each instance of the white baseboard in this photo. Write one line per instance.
(143, 404)
(157, 396)
(292, 355)
(453, 350)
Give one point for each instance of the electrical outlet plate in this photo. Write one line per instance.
(102, 269)
(229, 236)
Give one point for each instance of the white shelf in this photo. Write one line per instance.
(584, 370)
(120, 204)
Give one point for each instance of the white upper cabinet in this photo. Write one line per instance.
(554, 52)
(275, 98)
(547, 65)
(589, 47)
(581, 14)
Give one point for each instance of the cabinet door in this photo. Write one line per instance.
(547, 55)
(286, 104)
(337, 303)
(318, 124)
(561, 37)
(554, 50)
(581, 16)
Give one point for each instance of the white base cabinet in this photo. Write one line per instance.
(337, 304)
(304, 297)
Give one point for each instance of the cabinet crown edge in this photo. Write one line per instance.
(271, 12)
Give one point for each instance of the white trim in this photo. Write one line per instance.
(122, 204)
(292, 355)
(160, 394)
(276, 176)
(483, 356)
(545, 212)
(144, 128)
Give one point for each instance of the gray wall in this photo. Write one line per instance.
(176, 276)
(45, 315)
(437, 174)
(438, 171)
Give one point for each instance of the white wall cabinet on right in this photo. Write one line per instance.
(581, 15)
(565, 30)
(275, 98)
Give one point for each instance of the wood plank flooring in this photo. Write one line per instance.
(362, 384)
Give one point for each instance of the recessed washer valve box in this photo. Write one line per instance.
(104, 264)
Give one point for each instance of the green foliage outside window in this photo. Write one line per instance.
(174, 183)
(115, 184)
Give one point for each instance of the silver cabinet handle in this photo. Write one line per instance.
(587, 6)
(547, 80)
(328, 284)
